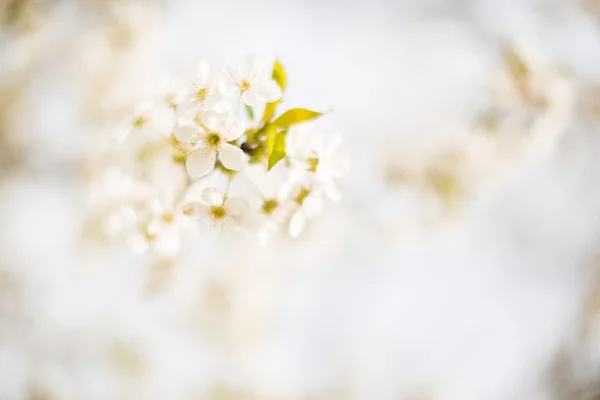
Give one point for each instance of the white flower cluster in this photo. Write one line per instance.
(199, 152)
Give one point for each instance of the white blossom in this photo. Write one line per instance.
(318, 154)
(220, 210)
(211, 140)
(251, 84)
(308, 203)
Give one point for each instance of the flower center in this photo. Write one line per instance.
(168, 218)
(149, 236)
(213, 140)
(313, 163)
(244, 85)
(140, 121)
(302, 195)
(217, 213)
(201, 94)
(269, 206)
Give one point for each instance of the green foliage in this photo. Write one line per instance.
(250, 112)
(295, 116)
(269, 111)
(269, 140)
(277, 149)
(279, 75)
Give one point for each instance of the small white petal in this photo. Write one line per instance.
(251, 68)
(194, 210)
(232, 157)
(266, 230)
(252, 99)
(212, 196)
(200, 162)
(222, 107)
(227, 85)
(297, 223)
(312, 205)
(268, 90)
(237, 206)
(214, 124)
(332, 191)
(232, 128)
(187, 111)
(187, 132)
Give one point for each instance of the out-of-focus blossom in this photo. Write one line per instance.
(251, 84)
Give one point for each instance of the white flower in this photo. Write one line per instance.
(221, 211)
(204, 99)
(205, 91)
(209, 141)
(317, 154)
(163, 231)
(171, 91)
(152, 121)
(308, 205)
(250, 84)
(274, 188)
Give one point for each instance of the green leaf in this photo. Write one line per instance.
(269, 111)
(270, 132)
(250, 112)
(279, 75)
(295, 116)
(278, 151)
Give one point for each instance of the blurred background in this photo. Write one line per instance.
(461, 263)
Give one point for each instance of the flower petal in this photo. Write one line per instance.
(266, 230)
(252, 98)
(332, 191)
(222, 107)
(268, 90)
(187, 132)
(237, 206)
(227, 84)
(312, 205)
(200, 162)
(232, 74)
(212, 196)
(297, 223)
(251, 68)
(232, 128)
(232, 157)
(186, 111)
(194, 209)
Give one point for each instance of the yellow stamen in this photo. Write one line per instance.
(168, 218)
(213, 140)
(140, 121)
(269, 206)
(313, 163)
(244, 85)
(217, 213)
(201, 94)
(302, 195)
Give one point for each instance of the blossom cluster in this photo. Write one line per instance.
(199, 152)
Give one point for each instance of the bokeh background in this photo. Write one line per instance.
(461, 262)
